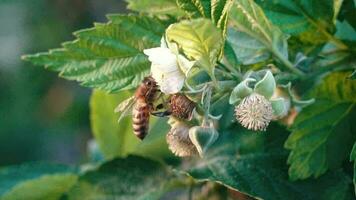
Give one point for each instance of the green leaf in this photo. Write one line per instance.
(337, 87)
(117, 139)
(114, 139)
(109, 56)
(322, 134)
(345, 31)
(157, 7)
(247, 17)
(247, 49)
(254, 164)
(36, 181)
(309, 19)
(321, 138)
(222, 107)
(133, 178)
(216, 10)
(155, 145)
(199, 40)
(353, 158)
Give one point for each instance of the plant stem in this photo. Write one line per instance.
(287, 63)
(232, 70)
(190, 192)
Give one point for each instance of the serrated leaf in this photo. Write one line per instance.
(109, 56)
(337, 87)
(216, 10)
(261, 171)
(316, 137)
(247, 49)
(36, 181)
(199, 40)
(247, 17)
(309, 19)
(133, 178)
(322, 133)
(157, 7)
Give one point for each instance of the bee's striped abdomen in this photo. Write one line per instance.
(140, 119)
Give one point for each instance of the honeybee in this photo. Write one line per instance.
(141, 105)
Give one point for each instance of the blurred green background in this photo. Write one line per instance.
(43, 117)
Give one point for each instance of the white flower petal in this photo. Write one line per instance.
(172, 85)
(184, 64)
(165, 69)
(157, 73)
(163, 57)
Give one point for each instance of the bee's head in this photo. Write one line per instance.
(149, 82)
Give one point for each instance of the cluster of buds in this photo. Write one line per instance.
(256, 100)
(170, 69)
(184, 140)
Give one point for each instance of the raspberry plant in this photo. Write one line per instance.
(274, 93)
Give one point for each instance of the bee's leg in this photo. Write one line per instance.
(161, 114)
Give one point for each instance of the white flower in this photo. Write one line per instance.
(166, 69)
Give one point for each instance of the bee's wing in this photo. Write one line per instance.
(125, 107)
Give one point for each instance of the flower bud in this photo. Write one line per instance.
(178, 139)
(181, 107)
(254, 112)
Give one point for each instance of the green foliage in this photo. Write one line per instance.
(109, 56)
(317, 134)
(353, 158)
(260, 171)
(322, 135)
(118, 178)
(114, 139)
(130, 178)
(158, 7)
(311, 20)
(117, 139)
(247, 49)
(216, 10)
(199, 39)
(249, 18)
(36, 181)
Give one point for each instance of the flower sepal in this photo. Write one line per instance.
(294, 100)
(203, 137)
(241, 91)
(266, 86)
